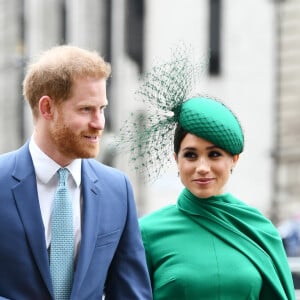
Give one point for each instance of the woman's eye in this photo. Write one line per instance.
(214, 154)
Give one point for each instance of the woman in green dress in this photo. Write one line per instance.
(209, 245)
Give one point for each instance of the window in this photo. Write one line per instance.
(134, 31)
(214, 67)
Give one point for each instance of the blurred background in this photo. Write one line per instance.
(254, 67)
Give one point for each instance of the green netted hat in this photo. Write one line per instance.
(168, 95)
(212, 121)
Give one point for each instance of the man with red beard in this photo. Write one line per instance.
(66, 90)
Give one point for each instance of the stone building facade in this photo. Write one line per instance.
(255, 68)
(287, 151)
(11, 72)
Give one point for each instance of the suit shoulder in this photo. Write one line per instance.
(7, 159)
(104, 170)
(7, 156)
(98, 166)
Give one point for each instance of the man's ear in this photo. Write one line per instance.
(175, 157)
(46, 107)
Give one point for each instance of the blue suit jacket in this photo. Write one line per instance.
(111, 255)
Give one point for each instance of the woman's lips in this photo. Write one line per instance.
(203, 180)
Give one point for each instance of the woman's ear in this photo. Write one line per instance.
(46, 107)
(235, 159)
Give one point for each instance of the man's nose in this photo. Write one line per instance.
(98, 121)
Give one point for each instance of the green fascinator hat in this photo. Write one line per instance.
(212, 121)
(168, 97)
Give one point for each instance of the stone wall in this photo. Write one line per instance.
(287, 190)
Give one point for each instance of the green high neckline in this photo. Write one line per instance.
(188, 196)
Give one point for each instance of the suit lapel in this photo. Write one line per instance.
(90, 219)
(25, 194)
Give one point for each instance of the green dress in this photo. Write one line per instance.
(214, 249)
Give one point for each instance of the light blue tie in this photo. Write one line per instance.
(62, 240)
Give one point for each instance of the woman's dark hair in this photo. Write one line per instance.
(179, 135)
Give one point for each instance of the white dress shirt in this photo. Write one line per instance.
(47, 181)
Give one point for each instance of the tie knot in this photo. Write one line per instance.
(63, 176)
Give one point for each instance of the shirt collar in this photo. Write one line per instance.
(46, 168)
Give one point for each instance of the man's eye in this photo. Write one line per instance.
(189, 155)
